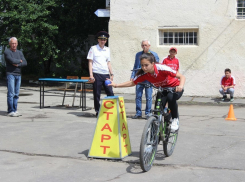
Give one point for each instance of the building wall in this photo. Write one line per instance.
(220, 40)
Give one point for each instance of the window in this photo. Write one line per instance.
(178, 37)
(240, 9)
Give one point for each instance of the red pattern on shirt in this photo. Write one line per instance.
(171, 62)
(163, 76)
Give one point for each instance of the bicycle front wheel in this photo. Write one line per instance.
(170, 142)
(148, 145)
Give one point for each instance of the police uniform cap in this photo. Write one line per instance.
(102, 35)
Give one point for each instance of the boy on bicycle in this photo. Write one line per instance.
(160, 76)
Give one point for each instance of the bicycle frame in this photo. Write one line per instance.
(155, 130)
(158, 114)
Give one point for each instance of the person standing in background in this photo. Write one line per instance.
(100, 69)
(145, 44)
(172, 62)
(15, 60)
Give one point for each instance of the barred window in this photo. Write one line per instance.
(178, 37)
(240, 9)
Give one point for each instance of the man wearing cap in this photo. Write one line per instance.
(145, 44)
(100, 68)
(171, 60)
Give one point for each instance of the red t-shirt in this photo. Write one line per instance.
(228, 81)
(163, 76)
(171, 62)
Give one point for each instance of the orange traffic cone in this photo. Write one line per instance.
(231, 115)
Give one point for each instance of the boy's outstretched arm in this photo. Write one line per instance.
(124, 84)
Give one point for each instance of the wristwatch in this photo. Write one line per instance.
(112, 74)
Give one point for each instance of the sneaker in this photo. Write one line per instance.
(232, 99)
(12, 114)
(148, 116)
(96, 114)
(136, 117)
(17, 113)
(175, 124)
(224, 97)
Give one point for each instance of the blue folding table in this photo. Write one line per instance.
(42, 80)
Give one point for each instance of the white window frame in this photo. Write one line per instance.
(183, 39)
(240, 9)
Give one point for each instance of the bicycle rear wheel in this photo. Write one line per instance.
(148, 145)
(170, 142)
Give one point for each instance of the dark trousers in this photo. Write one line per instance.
(172, 98)
(99, 81)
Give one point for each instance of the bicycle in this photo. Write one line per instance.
(157, 127)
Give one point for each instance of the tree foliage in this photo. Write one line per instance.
(50, 31)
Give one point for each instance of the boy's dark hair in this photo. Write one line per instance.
(228, 69)
(150, 57)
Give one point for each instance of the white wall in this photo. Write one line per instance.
(220, 45)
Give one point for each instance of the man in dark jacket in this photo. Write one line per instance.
(15, 60)
(145, 44)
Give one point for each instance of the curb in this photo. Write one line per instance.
(198, 103)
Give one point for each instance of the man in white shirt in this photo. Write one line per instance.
(100, 68)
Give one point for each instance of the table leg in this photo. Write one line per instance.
(43, 95)
(75, 92)
(84, 97)
(40, 83)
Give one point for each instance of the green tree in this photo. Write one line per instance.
(50, 31)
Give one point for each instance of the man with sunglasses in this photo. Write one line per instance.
(100, 68)
(145, 44)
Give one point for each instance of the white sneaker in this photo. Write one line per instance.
(17, 113)
(175, 124)
(12, 114)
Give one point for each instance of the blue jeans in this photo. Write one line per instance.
(228, 91)
(13, 84)
(138, 100)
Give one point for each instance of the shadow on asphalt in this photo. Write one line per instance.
(66, 107)
(135, 154)
(134, 169)
(3, 113)
(85, 152)
(218, 100)
(83, 114)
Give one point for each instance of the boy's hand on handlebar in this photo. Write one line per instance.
(179, 89)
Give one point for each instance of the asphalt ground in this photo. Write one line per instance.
(52, 144)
